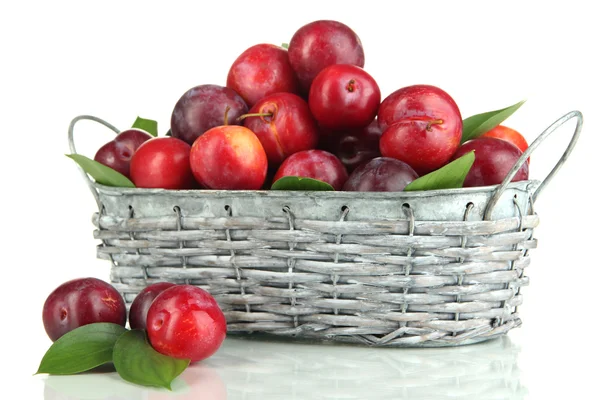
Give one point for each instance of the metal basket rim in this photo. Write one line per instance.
(525, 185)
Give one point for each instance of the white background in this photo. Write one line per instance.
(118, 60)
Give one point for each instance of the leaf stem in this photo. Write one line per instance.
(226, 114)
(241, 117)
(434, 122)
(350, 85)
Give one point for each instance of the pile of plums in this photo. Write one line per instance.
(310, 110)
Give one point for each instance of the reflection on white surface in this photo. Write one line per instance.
(263, 370)
(198, 382)
(259, 369)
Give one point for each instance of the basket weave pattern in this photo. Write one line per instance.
(397, 281)
(408, 269)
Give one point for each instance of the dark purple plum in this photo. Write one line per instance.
(117, 153)
(381, 174)
(202, 108)
(493, 159)
(357, 147)
(138, 312)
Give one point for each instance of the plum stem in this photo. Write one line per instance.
(433, 122)
(241, 117)
(350, 85)
(226, 114)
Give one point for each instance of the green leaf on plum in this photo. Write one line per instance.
(285, 45)
(100, 172)
(450, 176)
(137, 362)
(478, 124)
(81, 349)
(146, 125)
(300, 183)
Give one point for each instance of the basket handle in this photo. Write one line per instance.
(89, 182)
(557, 124)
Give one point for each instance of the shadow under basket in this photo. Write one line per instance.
(407, 269)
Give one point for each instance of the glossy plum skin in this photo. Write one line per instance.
(261, 70)
(162, 162)
(117, 153)
(320, 44)
(381, 174)
(344, 96)
(202, 108)
(185, 322)
(510, 135)
(493, 159)
(358, 146)
(80, 302)
(138, 312)
(421, 126)
(229, 158)
(316, 164)
(290, 128)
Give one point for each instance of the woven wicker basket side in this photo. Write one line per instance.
(437, 268)
(349, 277)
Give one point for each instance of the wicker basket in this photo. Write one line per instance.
(431, 268)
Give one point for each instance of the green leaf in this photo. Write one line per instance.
(285, 45)
(100, 172)
(451, 175)
(300, 183)
(137, 362)
(147, 125)
(479, 124)
(81, 349)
